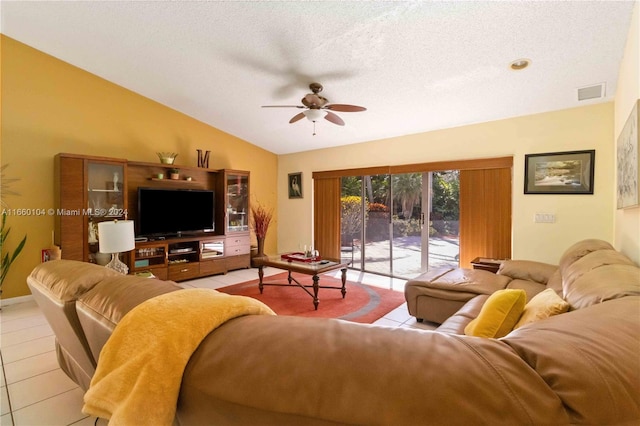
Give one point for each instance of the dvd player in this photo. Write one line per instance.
(181, 250)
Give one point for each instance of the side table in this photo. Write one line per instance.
(486, 264)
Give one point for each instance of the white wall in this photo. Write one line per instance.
(627, 221)
(577, 216)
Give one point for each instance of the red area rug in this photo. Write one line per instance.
(363, 303)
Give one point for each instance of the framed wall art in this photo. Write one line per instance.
(295, 185)
(568, 172)
(628, 162)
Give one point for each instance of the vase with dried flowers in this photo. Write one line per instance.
(260, 218)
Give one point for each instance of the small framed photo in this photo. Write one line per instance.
(568, 172)
(295, 185)
(45, 255)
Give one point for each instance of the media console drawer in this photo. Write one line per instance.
(184, 271)
(238, 262)
(237, 244)
(213, 266)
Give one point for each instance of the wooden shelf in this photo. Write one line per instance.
(173, 180)
(182, 167)
(155, 256)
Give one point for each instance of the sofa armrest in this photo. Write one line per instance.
(527, 270)
(456, 323)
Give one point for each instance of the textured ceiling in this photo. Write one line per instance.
(416, 66)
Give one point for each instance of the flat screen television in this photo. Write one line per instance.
(168, 212)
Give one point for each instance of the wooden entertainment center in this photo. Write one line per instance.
(92, 189)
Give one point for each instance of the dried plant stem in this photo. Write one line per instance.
(261, 220)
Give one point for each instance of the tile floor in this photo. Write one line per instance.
(34, 389)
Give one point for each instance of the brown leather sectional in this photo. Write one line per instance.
(580, 367)
(438, 294)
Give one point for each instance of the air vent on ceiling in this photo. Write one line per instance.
(591, 92)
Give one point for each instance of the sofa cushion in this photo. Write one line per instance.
(531, 288)
(604, 283)
(543, 305)
(102, 308)
(473, 281)
(580, 249)
(498, 315)
(348, 373)
(555, 282)
(437, 294)
(592, 261)
(114, 297)
(69, 279)
(527, 270)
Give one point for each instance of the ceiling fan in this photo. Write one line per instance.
(316, 107)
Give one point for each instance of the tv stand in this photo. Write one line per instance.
(179, 259)
(105, 189)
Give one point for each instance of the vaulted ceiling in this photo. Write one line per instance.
(415, 66)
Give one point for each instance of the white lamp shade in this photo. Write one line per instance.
(314, 114)
(116, 237)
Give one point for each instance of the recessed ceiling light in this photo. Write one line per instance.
(519, 64)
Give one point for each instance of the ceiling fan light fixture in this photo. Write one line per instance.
(520, 64)
(314, 114)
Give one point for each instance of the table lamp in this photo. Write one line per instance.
(116, 237)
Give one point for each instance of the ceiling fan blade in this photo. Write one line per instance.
(297, 117)
(334, 119)
(282, 106)
(345, 108)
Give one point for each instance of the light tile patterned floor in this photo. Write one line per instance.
(35, 391)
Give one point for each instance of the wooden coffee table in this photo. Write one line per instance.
(309, 268)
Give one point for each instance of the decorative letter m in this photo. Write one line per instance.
(203, 160)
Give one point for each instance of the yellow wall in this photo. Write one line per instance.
(49, 106)
(577, 216)
(627, 221)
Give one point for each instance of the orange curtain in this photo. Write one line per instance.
(485, 214)
(326, 217)
(485, 205)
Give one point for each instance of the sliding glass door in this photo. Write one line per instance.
(377, 253)
(409, 200)
(371, 217)
(444, 219)
(399, 225)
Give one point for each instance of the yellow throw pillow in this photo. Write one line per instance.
(498, 315)
(541, 306)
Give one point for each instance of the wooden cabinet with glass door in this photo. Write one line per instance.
(89, 190)
(234, 187)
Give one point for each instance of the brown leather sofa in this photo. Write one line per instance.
(437, 294)
(580, 367)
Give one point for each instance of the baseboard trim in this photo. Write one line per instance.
(16, 300)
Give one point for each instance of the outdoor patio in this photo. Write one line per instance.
(443, 252)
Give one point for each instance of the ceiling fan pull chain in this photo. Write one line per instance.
(314, 128)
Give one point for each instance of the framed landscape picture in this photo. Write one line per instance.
(568, 172)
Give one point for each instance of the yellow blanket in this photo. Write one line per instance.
(140, 369)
